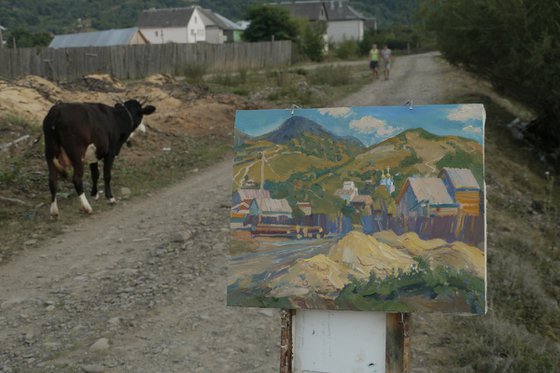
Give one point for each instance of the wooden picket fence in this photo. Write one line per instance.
(138, 61)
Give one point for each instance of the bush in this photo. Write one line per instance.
(347, 49)
(330, 75)
(194, 73)
(312, 42)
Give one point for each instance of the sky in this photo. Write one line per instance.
(372, 125)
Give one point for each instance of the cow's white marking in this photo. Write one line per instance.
(90, 156)
(54, 209)
(140, 128)
(112, 201)
(85, 204)
(96, 197)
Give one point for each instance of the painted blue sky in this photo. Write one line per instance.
(372, 125)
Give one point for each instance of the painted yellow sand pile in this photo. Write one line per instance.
(318, 273)
(437, 252)
(384, 254)
(364, 254)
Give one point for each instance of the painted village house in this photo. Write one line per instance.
(239, 214)
(305, 207)
(269, 210)
(249, 195)
(362, 202)
(425, 197)
(463, 188)
(106, 38)
(187, 25)
(348, 191)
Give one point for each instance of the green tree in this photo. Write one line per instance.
(312, 41)
(269, 22)
(26, 39)
(513, 43)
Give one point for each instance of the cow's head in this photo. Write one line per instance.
(136, 110)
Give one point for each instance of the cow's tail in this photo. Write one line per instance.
(53, 149)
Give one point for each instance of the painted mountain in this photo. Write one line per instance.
(322, 220)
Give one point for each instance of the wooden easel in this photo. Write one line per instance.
(397, 342)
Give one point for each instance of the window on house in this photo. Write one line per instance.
(156, 33)
(195, 19)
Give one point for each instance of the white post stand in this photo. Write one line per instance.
(322, 341)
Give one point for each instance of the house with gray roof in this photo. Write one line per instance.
(187, 25)
(343, 21)
(425, 197)
(106, 38)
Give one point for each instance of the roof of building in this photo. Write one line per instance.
(168, 17)
(249, 194)
(273, 205)
(461, 178)
(180, 17)
(220, 21)
(429, 189)
(365, 199)
(342, 11)
(94, 39)
(308, 10)
(343, 192)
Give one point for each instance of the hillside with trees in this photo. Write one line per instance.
(69, 16)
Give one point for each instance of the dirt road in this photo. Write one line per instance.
(142, 287)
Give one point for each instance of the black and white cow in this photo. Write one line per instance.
(78, 134)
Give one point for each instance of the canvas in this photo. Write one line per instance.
(359, 208)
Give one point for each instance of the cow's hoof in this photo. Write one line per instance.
(112, 201)
(54, 216)
(87, 211)
(96, 196)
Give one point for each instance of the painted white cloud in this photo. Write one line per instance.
(338, 112)
(369, 124)
(464, 113)
(473, 129)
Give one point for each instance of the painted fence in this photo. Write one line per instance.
(138, 61)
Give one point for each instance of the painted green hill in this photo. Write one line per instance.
(297, 168)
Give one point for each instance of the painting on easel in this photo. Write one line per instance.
(359, 208)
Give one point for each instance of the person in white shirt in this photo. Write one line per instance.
(387, 58)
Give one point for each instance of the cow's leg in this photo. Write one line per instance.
(93, 167)
(53, 176)
(107, 165)
(77, 178)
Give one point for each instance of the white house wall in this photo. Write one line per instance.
(166, 35)
(338, 31)
(194, 32)
(214, 35)
(196, 28)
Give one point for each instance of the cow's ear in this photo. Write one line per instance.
(148, 110)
